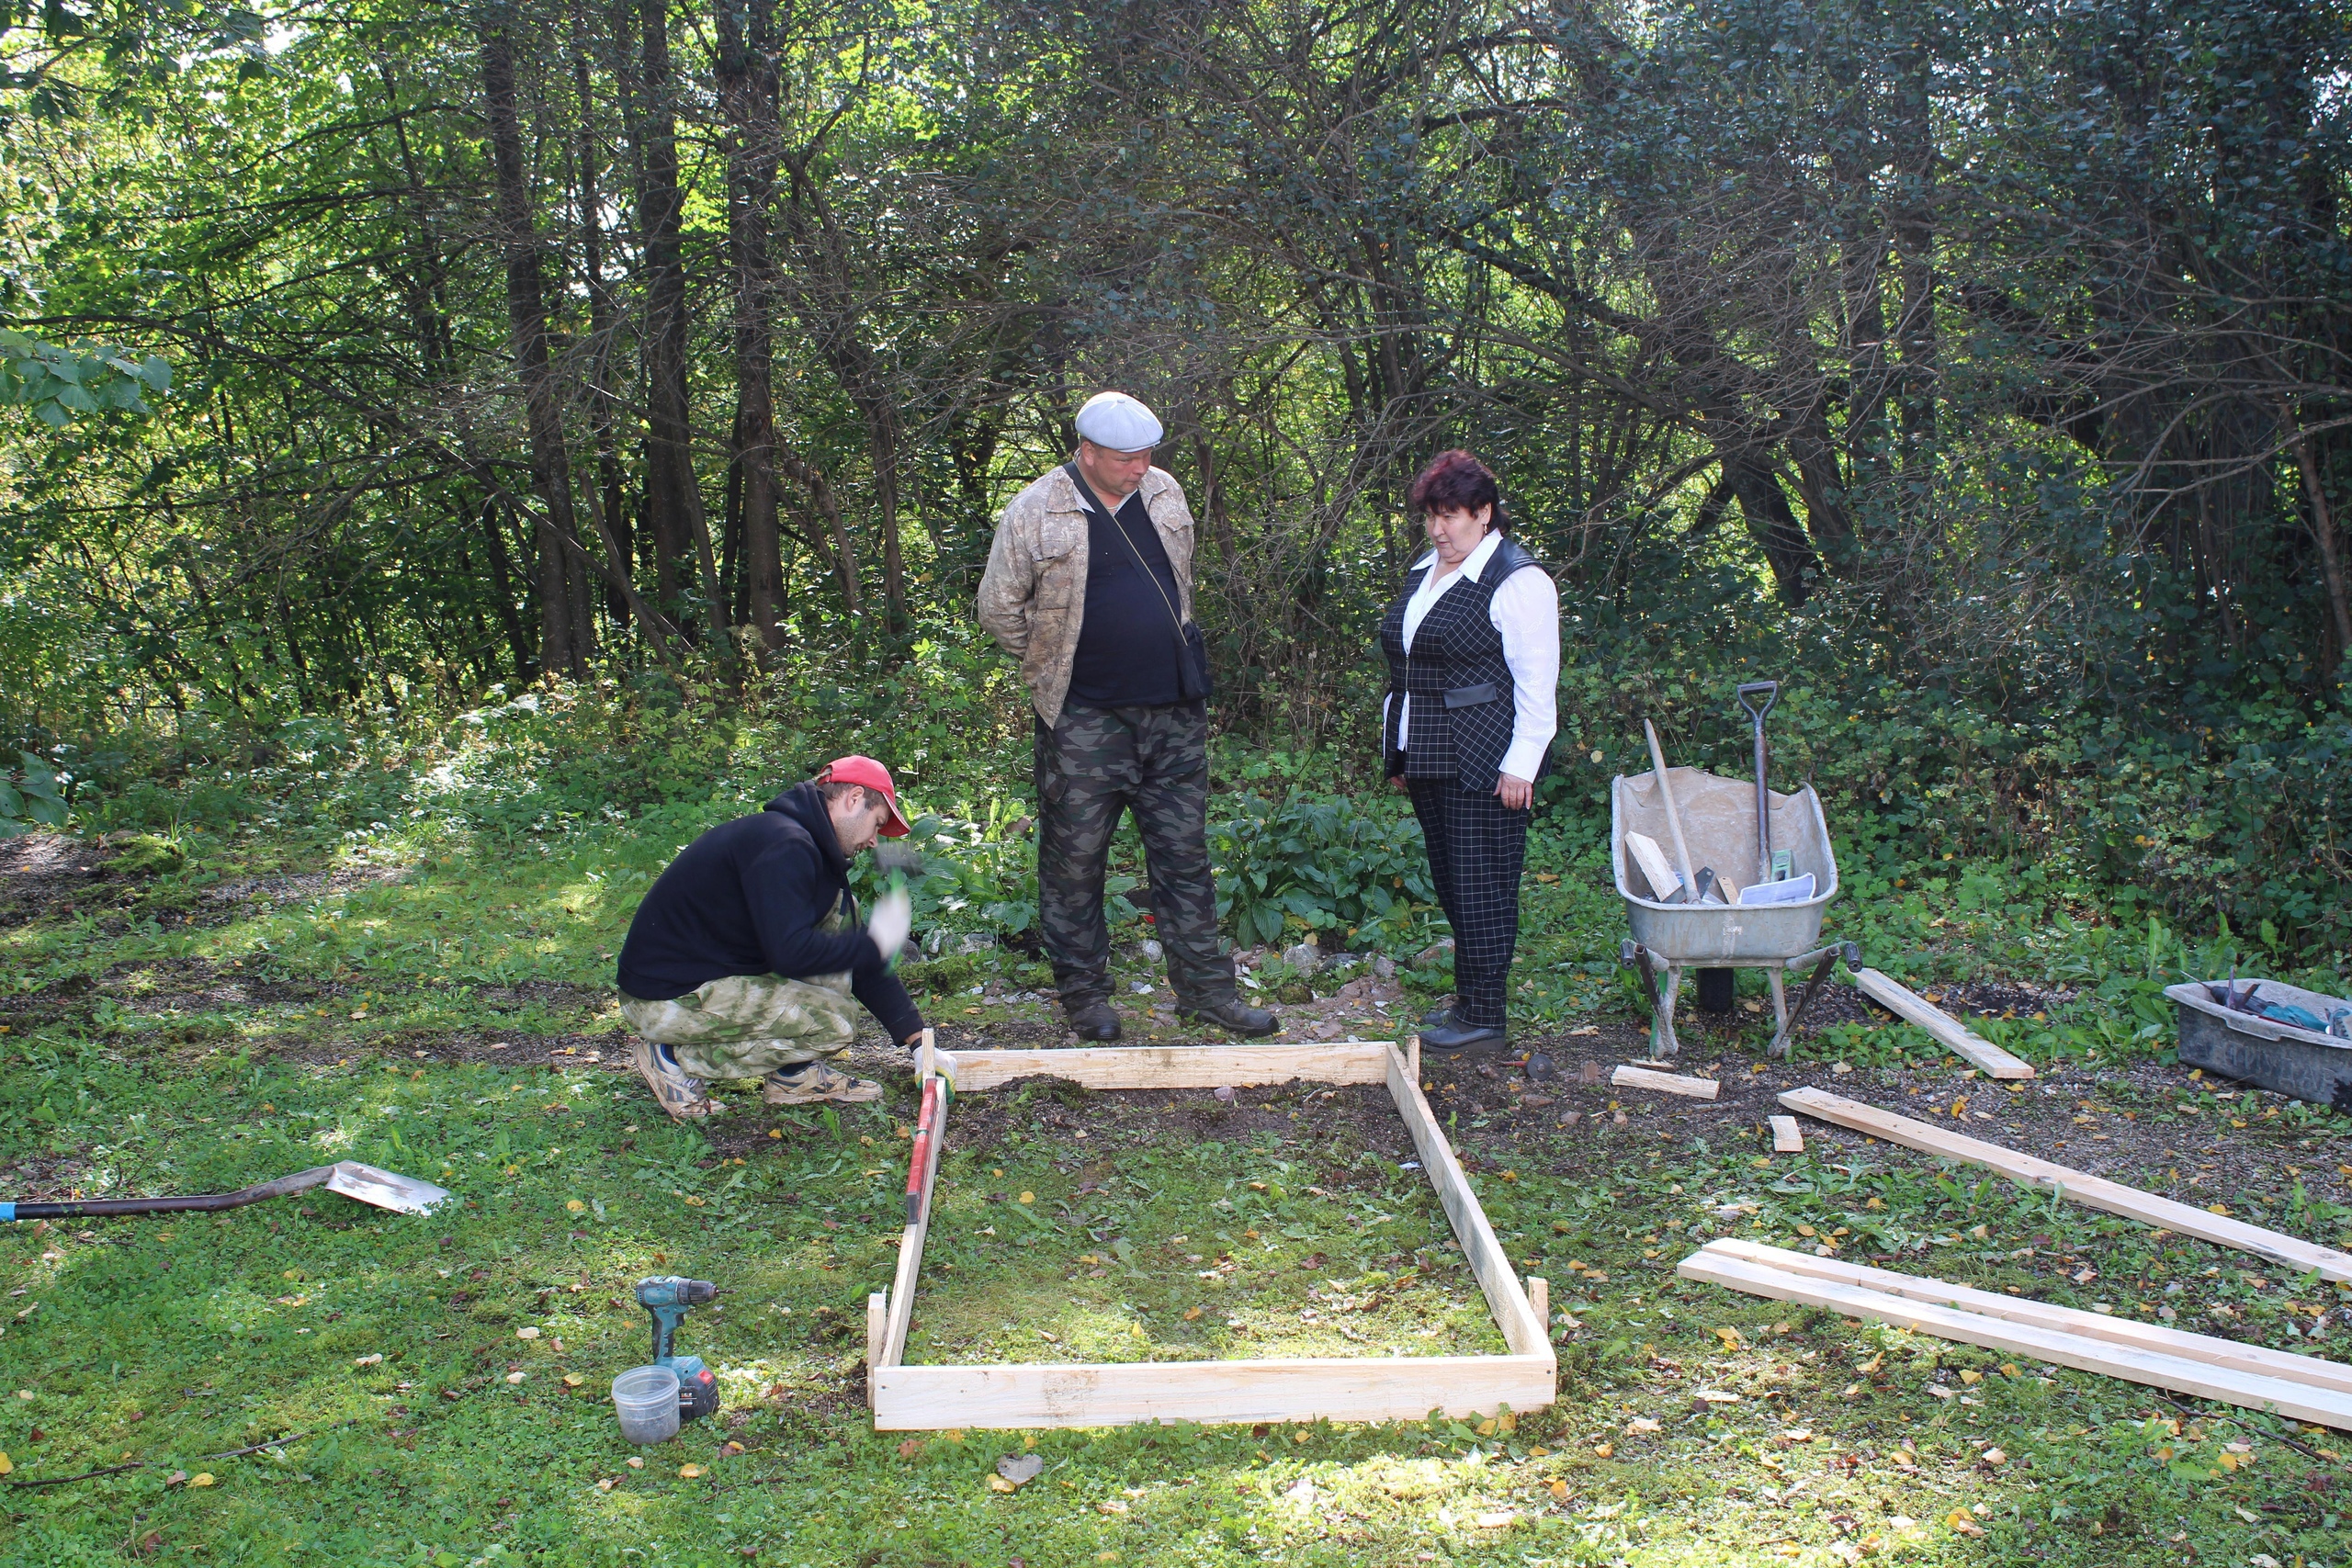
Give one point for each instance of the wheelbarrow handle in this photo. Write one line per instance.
(1771, 690)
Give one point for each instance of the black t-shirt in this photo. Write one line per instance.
(1127, 647)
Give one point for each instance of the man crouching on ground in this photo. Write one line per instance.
(743, 960)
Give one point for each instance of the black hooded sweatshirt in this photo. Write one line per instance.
(751, 898)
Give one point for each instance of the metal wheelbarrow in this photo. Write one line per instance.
(1719, 822)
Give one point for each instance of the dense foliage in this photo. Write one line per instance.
(1979, 370)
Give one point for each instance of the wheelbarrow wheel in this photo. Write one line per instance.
(1715, 989)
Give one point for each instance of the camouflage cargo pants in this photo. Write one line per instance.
(1091, 766)
(742, 1026)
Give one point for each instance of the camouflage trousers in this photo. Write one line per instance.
(1091, 766)
(742, 1026)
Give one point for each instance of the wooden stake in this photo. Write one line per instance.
(1666, 1083)
(1786, 1137)
(2295, 1256)
(1949, 1031)
(1673, 817)
(1172, 1067)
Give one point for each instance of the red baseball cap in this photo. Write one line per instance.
(873, 775)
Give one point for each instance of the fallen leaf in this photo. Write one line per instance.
(688, 1472)
(1603, 1450)
(1028, 1196)
(375, 1359)
(635, 1462)
(999, 1483)
(1994, 1456)
(1961, 1520)
(177, 1478)
(911, 1448)
(572, 1379)
(1640, 1424)
(1730, 1337)
(1502, 1519)
(516, 1377)
(1970, 1376)
(7, 1465)
(1021, 1470)
(201, 1478)
(1191, 1313)
(527, 1333)
(1559, 1490)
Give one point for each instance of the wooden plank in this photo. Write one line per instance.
(2296, 1257)
(1949, 1031)
(1654, 871)
(1665, 1083)
(902, 1285)
(1523, 1330)
(1172, 1067)
(2310, 1370)
(1382, 1388)
(1786, 1137)
(877, 1334)
(2231, 1386)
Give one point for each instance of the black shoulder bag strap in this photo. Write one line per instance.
(1193, 681)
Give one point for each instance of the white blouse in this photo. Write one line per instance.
(1526, 611)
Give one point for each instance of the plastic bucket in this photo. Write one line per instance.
(646, 1400)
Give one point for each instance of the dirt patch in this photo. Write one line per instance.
(45, 875)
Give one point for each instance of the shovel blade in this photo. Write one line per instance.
(402, 1194)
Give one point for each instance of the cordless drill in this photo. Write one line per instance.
(666, 1297)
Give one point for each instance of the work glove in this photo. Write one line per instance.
(892, 919)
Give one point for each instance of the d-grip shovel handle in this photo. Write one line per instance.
(1771, 690)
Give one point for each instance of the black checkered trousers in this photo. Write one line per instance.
(1460, 688)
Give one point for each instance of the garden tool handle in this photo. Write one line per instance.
(1771, 690)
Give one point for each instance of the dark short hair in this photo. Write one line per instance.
(1456, 481)
(834, 789)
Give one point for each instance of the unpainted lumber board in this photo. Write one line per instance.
(1907, 1004)
(2251, 1390)
(1389, 1388)
(1786, 1137)
(877, 1334)
(902, 1284)
(1172, 1066)
(1666, 1083)
(1523, 1331)
(2297, 1256)
(2311, 1371)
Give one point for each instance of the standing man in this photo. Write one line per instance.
(1089, 585)
(745, 960)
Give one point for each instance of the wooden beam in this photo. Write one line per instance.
(1387, 1388)
(1523, 1331)
(2296, 1257)
(877, 1334)
(1172, 1066)
(1788, 1138)
(1666, 1083)
(2214, 1353)
(902, 1285)
(1949, 1031)
(2234, 1386)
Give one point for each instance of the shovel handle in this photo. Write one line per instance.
(1771, 690)
(925, 1120)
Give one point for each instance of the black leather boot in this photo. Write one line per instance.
(1233, 1015)
(1450, 1034)
(1093, 1019)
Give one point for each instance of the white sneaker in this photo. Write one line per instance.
(678, 1093)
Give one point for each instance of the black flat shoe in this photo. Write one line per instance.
(1449, 1035)
(1235, 1017)
(1094, 1021)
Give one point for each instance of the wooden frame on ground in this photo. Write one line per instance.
(1381, 1388)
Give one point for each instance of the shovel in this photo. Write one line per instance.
(402, 1194)
(1770, 691)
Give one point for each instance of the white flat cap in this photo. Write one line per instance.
(1118, 422)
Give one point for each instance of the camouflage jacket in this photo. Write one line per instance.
(1033, 598)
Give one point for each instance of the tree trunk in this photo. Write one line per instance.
(1914, 153)
(2331, 558)
(747, 95)
(602, 317)
(672, 496)
(560, 650)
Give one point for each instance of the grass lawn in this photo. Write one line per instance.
(312, 1382)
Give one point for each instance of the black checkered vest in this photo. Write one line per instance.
(1456, 677)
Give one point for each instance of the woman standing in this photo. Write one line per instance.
(1474, 667)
